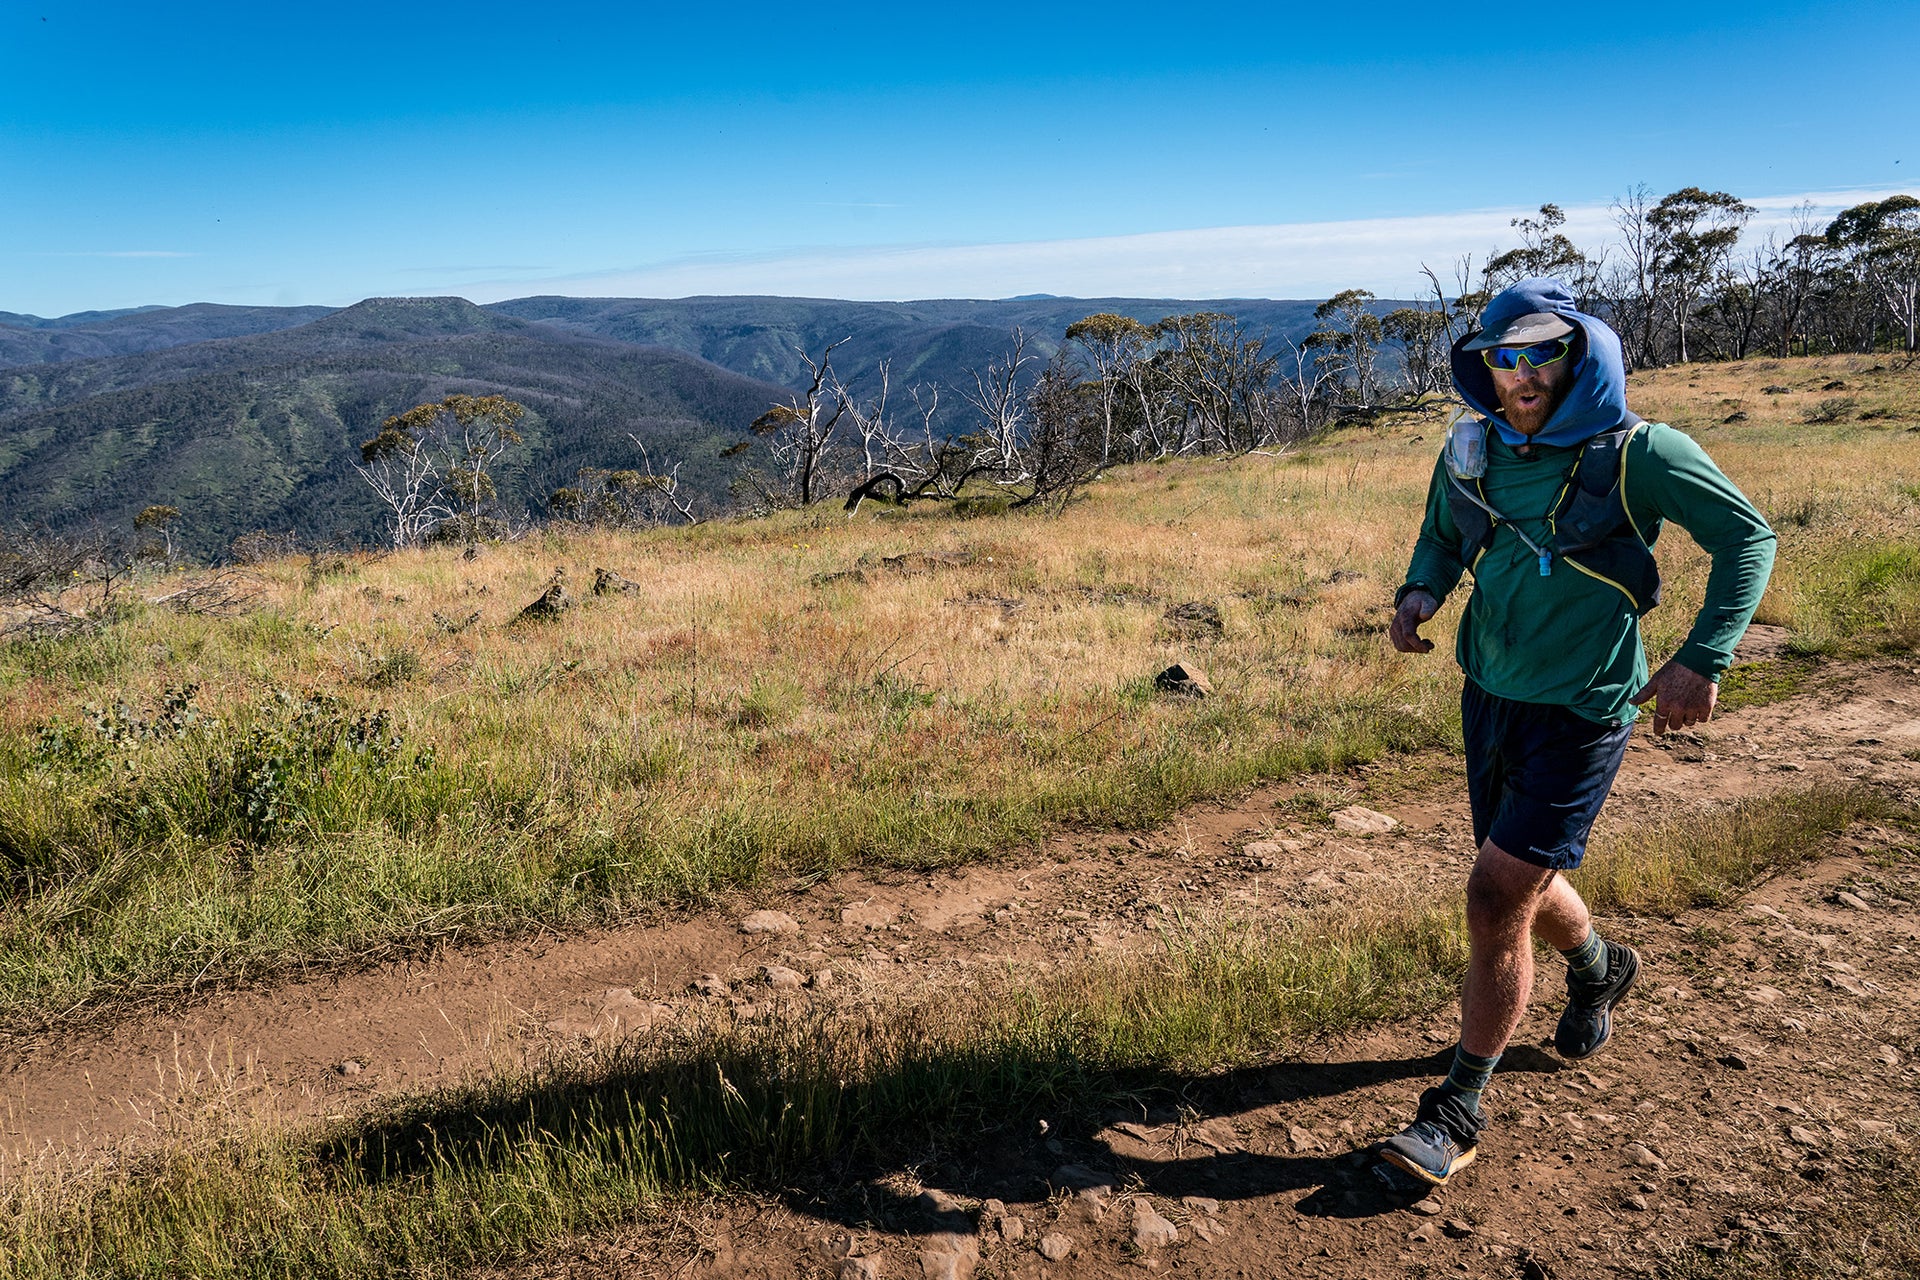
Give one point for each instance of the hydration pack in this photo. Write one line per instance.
(1588, 526)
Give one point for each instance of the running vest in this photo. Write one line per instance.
(1588, 524)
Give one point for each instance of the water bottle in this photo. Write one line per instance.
(1467, 446)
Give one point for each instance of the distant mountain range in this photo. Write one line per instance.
(249, 417)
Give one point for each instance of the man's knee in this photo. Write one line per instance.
(1503, 892)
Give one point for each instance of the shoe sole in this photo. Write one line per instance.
(1606, 1015)
(1427, 1176)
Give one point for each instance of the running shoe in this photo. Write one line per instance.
(1588, 1022)
(1442, 1141)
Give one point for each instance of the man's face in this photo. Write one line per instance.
(1528, 396)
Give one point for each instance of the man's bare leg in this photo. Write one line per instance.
(1507, 901)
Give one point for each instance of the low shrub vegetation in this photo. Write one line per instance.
(380, 758)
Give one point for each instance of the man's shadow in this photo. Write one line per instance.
(748, 1112)
(1338, 1184)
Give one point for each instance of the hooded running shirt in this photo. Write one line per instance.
(1569, 639)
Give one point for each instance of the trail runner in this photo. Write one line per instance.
(1551, 493)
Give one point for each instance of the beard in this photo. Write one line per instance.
(1528, 406)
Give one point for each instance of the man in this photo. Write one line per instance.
(1556, 529)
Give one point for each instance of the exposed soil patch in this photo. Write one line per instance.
(1799, 998)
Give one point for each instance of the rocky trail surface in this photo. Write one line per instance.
(1769, 1039)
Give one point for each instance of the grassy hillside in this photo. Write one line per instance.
(379, 753)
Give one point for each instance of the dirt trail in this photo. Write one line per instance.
(328, 1044)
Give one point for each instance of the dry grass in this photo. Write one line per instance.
(755, 710)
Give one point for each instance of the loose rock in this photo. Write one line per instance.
(778, 923)
(943, 1265)
(709, 984)
(1429, 1206)
(1185, 679)
(859, 1269)
(607, 582)
(1853, 900)
(1644, 1157)
(1012, 1229)
(1054, 1247)
(781, 978)
(1151, 1230)
(552, 602)
(1806, 1137)
(351, 1067)
(1358, 820)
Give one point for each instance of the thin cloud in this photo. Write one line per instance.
(1285, 260)
(460, 270)
(119, 253)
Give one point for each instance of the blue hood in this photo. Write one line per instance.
(1597, 400)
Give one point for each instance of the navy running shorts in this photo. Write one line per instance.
(1536, 775)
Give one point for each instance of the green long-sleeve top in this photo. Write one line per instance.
(1570, 639)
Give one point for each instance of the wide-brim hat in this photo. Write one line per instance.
(1520, 331)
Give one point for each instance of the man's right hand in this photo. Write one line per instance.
(1415, 608)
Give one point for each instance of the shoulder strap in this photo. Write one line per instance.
(1598, 470)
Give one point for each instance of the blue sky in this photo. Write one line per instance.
(251, 154)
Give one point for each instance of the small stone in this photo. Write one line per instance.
(1151, 1230)
(945, 1265)
(1422, 1234)
(1853, 900)
(937, 1202)
(1874, 1128)
(821, 979)
(1185, 679)
(1358, 820)
(1457, 1228)
(1012, 1229)
(781, 978)
(839, 1245)
(1301, 1139)
(709, 984)
(351, 1067)
(1805, 1136)
(859, 1269)
(993, 1210)
(1430, 1207)
(1788, 766)
(1889, 1055)
(778, 923)
(1207, 1229)
(1764, 994)
(1643, 1156)
(1202, 1204)
(1734, 1060)
(1636, 1202)
(1054, 1247)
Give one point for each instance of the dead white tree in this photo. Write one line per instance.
(402, 473)
(1002, 406)
(801, 432)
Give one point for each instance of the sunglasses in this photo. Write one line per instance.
(1537, 356)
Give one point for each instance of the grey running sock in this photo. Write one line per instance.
(1469, 1076)
(1588, 961)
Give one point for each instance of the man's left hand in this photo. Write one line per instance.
(1681, 696)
